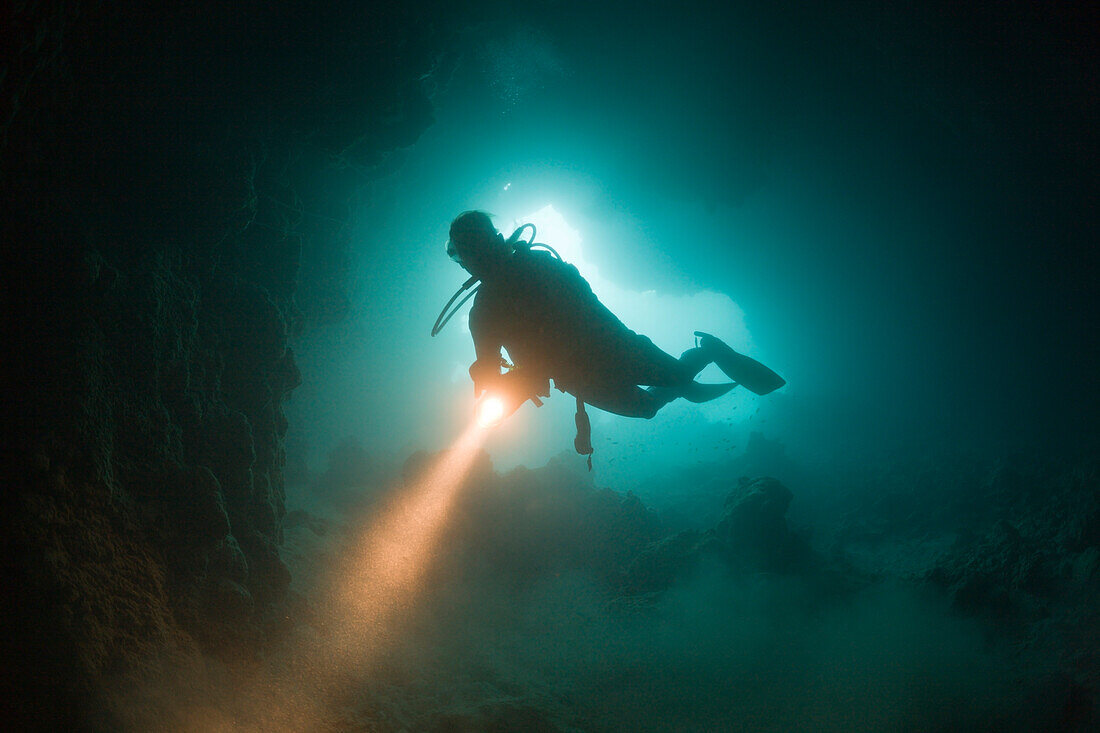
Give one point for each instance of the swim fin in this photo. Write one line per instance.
(749, 372)
(696, 392)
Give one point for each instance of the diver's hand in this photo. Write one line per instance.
(523, 384)
(485, 375)
(505, 395)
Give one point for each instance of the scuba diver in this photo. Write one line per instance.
(540, 309)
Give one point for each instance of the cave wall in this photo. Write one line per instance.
(175, 189)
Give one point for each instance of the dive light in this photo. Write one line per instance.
(490, 412)
(507, 395)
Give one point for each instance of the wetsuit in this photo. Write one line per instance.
(545, 314)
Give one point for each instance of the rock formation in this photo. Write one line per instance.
(173, 180)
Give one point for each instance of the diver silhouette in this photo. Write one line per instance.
(544, 313)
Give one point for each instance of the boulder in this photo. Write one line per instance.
(754, 531)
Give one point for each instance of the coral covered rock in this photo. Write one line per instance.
(754, 529)
(156, 261)
(1000, 574)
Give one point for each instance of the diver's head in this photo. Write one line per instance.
(475, 243)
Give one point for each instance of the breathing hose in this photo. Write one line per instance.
(444, 315)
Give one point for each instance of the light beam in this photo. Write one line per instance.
(369, 594)
(490, 412)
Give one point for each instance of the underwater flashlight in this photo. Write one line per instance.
(506, 395)
(490, 412)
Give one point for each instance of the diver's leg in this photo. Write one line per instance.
(633, 401)
(639, 361)
(694, 360)
(695, 392)
(628, 400)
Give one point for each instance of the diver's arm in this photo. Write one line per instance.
(487, 345)
(485, 371)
